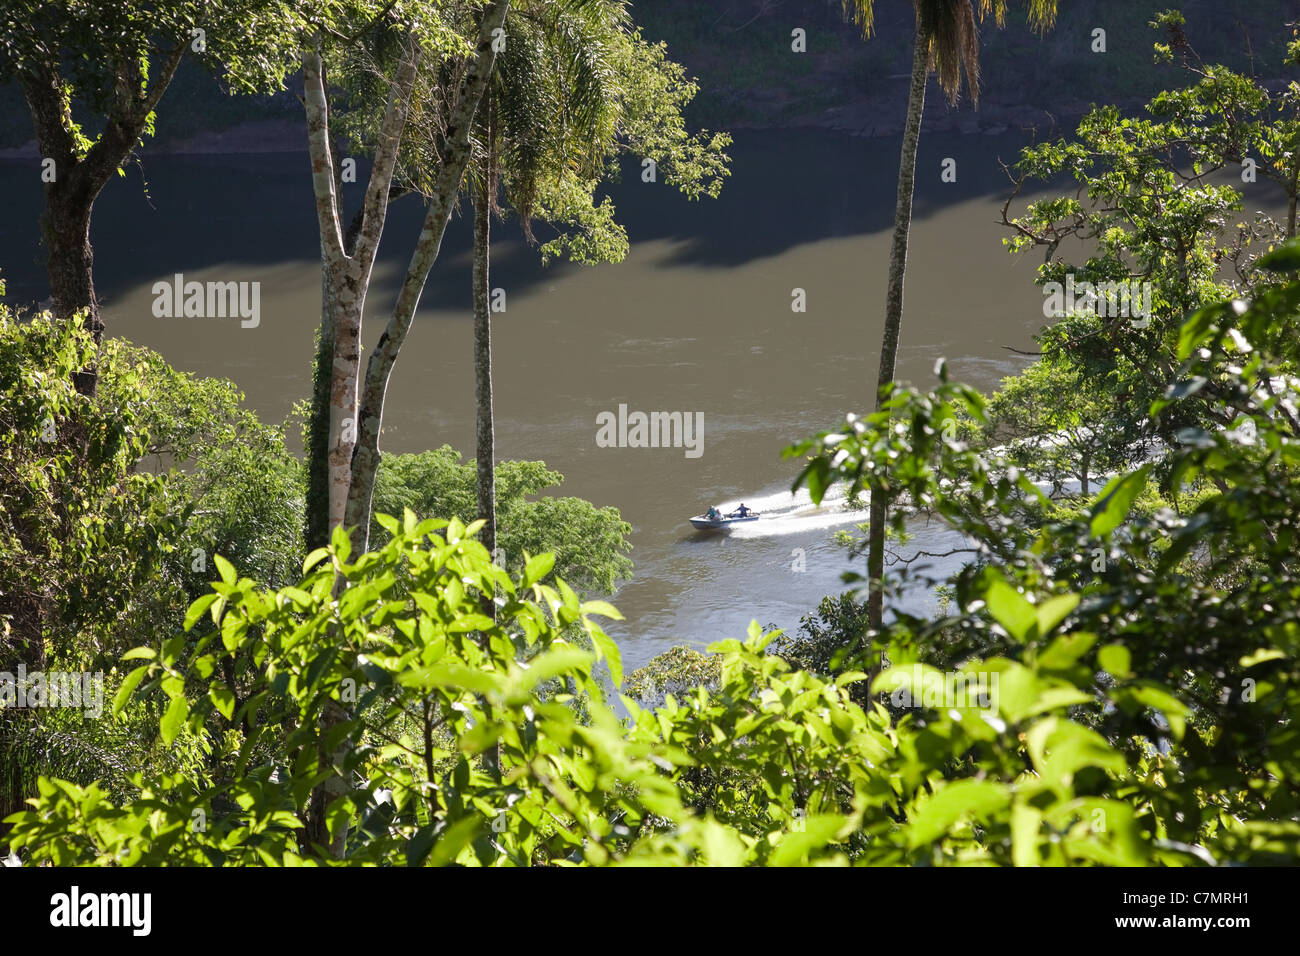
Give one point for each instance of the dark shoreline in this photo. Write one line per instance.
(866, 120)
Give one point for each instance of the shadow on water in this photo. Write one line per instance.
(787, 188)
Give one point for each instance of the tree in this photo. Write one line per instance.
(346, 279)
(79, 527)
(548, 118)
(945, 40)
(347, 275)
(642, 114)
(1228, 117)
(346, 271)
(1057, 431)
(118, 58)
(1162, 239)
(112, 508)
(589, 543)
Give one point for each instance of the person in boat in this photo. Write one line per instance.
(713, 513)
(742, 511)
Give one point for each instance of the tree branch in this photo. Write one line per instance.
(375, 208)
(322, 159)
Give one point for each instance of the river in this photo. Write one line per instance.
(698, 319)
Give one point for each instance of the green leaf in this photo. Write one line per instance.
(817, 477)
(538, 567)
(1026, 821)
(1059, 748)
(315, 558)
(171, 649)
(1115, 659)
(339, 813)
(1262, 655)
(603, 608)
(608, 649)
(225, 569)
(978, 798)
(817, 831)
(1065, 650)
(1009, 608)
(450, 677)
(720, 845)
(198, 607)
(1195, 330)
(222, 698)
(1116, 500)
(1286, 258)
(1052, 611)
(173, 719)
(128, 687)
(553, 663)
(449, 843)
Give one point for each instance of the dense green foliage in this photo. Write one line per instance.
(1114, 677)
(781, 766)
(115, 507)
(1181, 618)
(1105, 742)
(588, 542)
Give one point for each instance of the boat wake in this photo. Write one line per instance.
(784, 513)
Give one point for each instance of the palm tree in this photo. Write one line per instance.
(586, 87)
(484, 438)
(547, 121)
(945, 40)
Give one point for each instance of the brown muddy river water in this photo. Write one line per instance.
(698, 320)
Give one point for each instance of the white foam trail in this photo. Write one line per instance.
(785, 513)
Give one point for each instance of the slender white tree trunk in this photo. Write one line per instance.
(894, 305)
(456, 155)
(347, 277)
(485, 451)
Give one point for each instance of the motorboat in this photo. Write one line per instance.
(713, 519)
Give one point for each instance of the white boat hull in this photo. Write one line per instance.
(705, 523)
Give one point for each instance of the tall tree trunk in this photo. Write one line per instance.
(339, 297)
(345, 367)
(79, 178)
(346, 264)
(316, 518)
(346, 275)
(65, 219)
(484, 451)
(484, 441)
(455, 158)
(69, 263)
(484, 444)
(894, 305)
